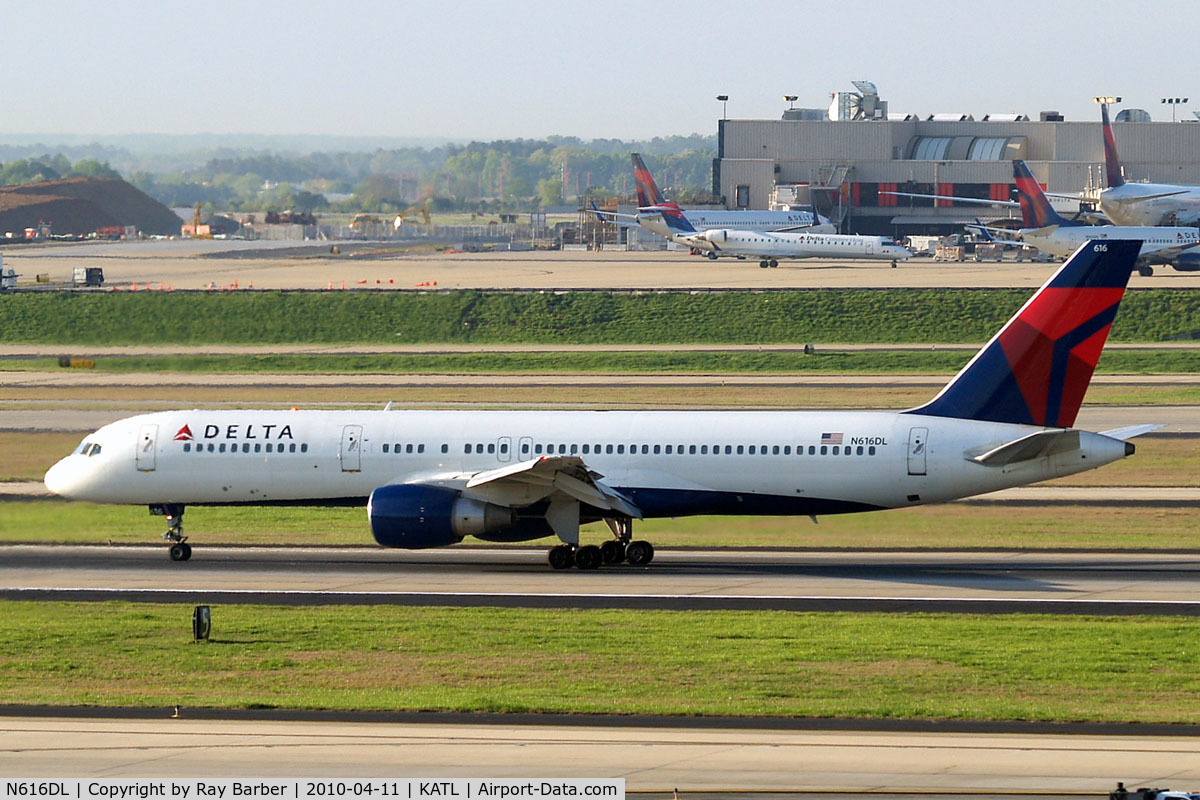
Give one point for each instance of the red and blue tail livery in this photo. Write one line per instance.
(1036, 211)
(1112, 164)
(1036, 370)
(648, 193)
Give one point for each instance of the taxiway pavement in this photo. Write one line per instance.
(981, 582)
(648, 758)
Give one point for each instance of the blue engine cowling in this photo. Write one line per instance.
(414, 516)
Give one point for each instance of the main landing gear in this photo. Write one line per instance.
(768, 262)
(180, 550)
(614, 551)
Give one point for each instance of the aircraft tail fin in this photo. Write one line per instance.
(1036, 370)
(1112, 163)
(648, 193)
(1036, 211)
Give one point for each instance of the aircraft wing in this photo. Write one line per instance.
(976, 200)
(988, 230)
(1141, 198)
(613, 216)
(1027, 448)
(567, 475)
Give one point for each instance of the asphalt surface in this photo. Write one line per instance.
(720, 762)
(685, 579)
(191, 265)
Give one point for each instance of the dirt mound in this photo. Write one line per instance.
(81, 205)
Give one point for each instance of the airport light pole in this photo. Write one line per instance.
(724, 98)
(791, 100)
(1172, 102)
(1106, 101)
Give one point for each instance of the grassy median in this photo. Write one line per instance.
(911, 666)
(826, 315)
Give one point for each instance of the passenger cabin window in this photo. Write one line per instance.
(385, 448)
(445, 448)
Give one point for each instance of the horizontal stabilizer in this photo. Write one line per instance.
(1130, 431)
(1027, 448)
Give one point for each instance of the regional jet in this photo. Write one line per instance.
(431, 478)
(653, 207)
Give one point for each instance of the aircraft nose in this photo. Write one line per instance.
(61, 479)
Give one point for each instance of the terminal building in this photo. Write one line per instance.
(848, 157)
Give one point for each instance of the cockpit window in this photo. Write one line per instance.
(92, 451)
(84, 445)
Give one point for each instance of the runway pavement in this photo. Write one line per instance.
(659, 759)
(977, 582)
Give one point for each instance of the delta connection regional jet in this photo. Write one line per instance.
(430, 478)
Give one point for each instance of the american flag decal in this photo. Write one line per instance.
(831, 438)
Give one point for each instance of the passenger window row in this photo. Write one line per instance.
(259, 447)
(407, 448)
(692, 450)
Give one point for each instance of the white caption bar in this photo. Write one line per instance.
(309, 789)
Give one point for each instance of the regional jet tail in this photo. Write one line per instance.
(429, 478)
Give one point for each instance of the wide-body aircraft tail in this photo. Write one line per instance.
(1112, 163)
(1036, 370)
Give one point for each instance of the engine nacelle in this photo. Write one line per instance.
(1187, 261)
(414, 516)
(716, 236)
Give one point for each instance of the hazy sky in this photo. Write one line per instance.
(490, 70)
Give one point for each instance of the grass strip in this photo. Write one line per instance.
(953, 526)
(1139, 362)
(905, 666)
(830, 315)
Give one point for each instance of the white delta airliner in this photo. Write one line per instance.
(430, 478)
(1142, 203)
(654, 209)
(770, 247)
(1049, 232)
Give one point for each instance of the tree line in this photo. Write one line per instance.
(489, 177)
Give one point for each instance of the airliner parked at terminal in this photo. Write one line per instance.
(1051, 233)
(1142, 203)
(652, 207)
(430, 478)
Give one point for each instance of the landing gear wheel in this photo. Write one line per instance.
(1145, 271)
(179, 552)
(763, 263)
(561, 557)
(893, 263)
(612, 551)
(588, 557)
(774, 263)
(639, 553)
(187, 551)
(712, 256)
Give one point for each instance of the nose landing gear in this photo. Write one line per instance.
(180, 550)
